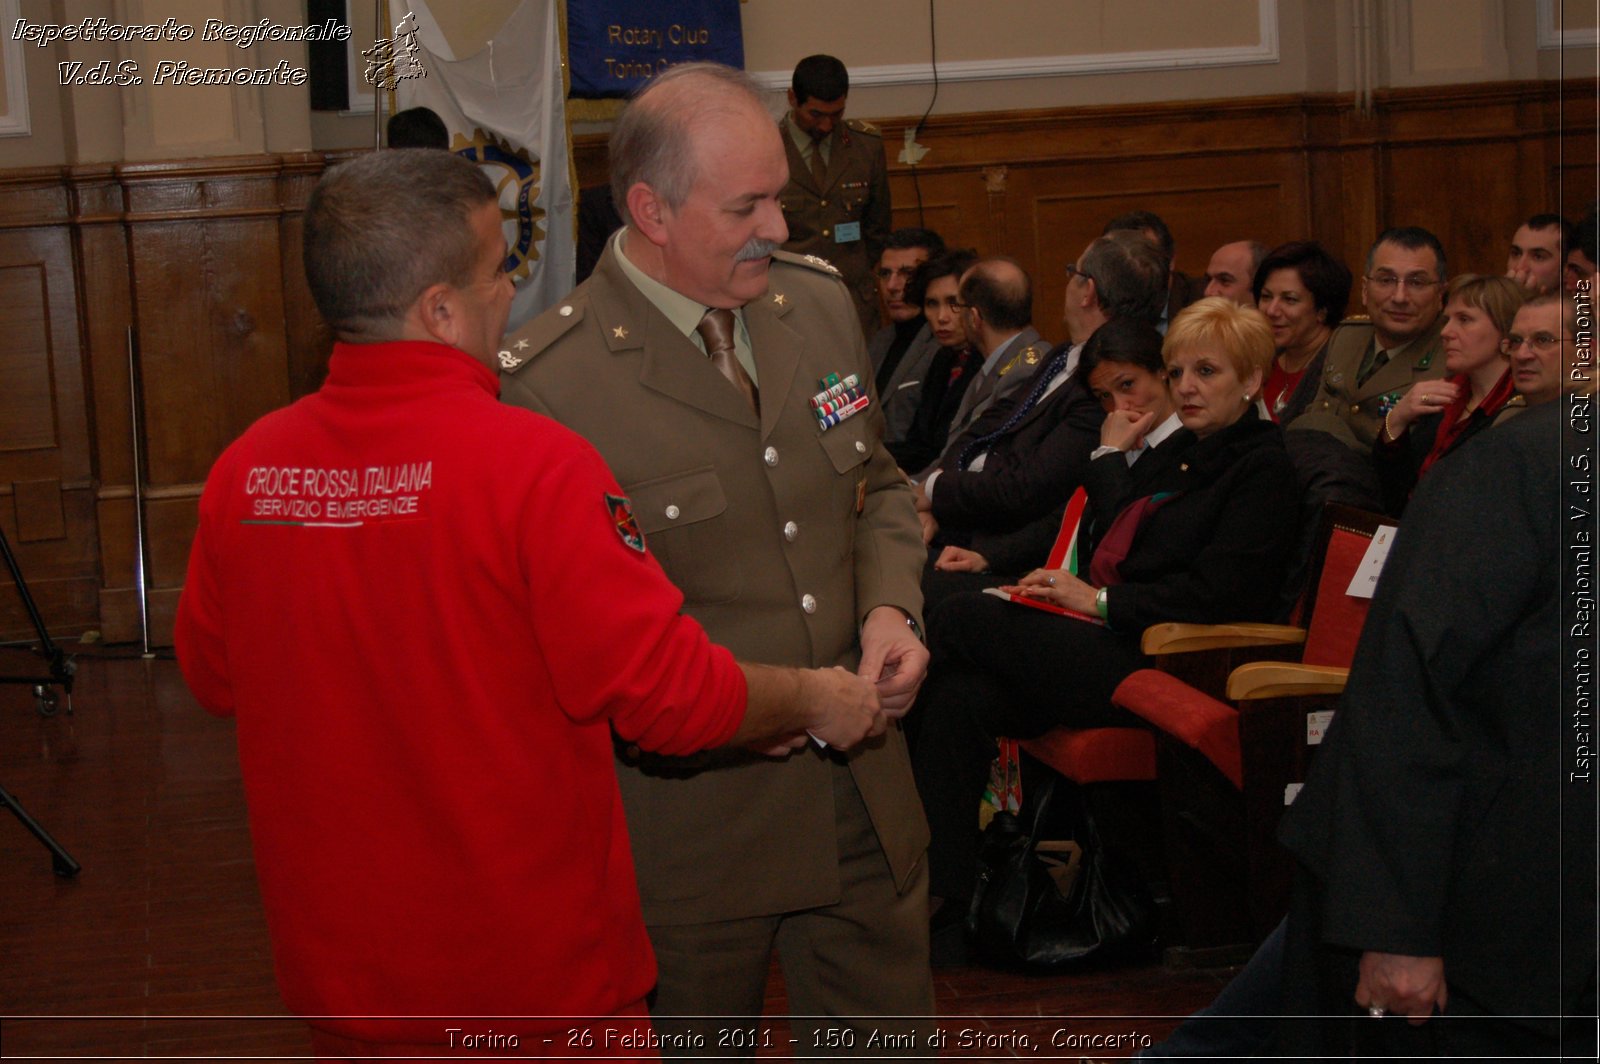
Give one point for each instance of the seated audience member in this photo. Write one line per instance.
(427, 755)
(1121, 368)
(1232, 268)
(1539, 252)
(1582, 263)
(998, 297)
(1436, 417)
(1543, 348)
(935, 287)
(901, 350)
(1371, 365)
(1302, 290)
(1205, 538)
(1015, 463)
(1181, 288)
(1445, 835)
(417, 127)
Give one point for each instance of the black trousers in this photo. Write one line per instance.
(1000, 669)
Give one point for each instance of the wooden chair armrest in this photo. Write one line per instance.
(1174, 638)
(1284, 679)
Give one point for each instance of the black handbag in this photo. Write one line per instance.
(1020, 916)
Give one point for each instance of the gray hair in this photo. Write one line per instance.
(1129, 273)
(652, 141)
(383, 227)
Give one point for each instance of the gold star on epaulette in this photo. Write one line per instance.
(818, 260)
(620, 332)
(508, 361)
(779, 298)
(521, 345)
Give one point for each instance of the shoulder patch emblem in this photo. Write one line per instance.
(822, 263)
(508, 361)
(1031, 355)
(623, 520)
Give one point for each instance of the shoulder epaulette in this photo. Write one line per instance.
(1031, 355)
(815, 262)
(538, 334)
(861, 125)
(1356, 319)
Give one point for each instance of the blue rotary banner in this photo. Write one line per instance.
(614, 46)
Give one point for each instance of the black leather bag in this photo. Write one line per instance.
(1019, 916)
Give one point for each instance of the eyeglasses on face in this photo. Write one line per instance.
(1541, 342)
(1384, 282)
(903, 272)
(1074, 271)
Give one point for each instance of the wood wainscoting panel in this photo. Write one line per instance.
(27, 402)
(44, 427)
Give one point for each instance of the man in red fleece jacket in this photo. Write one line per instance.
(429, 611)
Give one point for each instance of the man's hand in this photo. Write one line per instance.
(960, 560)
(1406, 986)
(924, 504)
(893, 658)
(930, 526)
(843, 707)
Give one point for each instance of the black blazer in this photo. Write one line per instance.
(1220, 550)
(930, 425)
(1030, 471)
(1440, 817)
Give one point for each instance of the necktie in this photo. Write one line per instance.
(819, 166)
(1041, 382)
(1374, 361)
(716, 329)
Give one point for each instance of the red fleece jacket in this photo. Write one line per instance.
(427, 616)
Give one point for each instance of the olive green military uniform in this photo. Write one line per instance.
(782, 536)
(1362, 407)
(854, 195)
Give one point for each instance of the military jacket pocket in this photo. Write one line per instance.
(683, 517)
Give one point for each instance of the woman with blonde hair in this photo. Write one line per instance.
(1435, 417)
(1206, 537)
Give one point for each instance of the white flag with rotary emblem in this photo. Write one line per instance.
(505, 107)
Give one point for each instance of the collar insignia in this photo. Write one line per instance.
(508, 361)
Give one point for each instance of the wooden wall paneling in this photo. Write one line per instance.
(1574, 177)
(44, 424)
(307, 337)
(103, 266)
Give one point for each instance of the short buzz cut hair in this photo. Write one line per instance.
(1240, 334)
(1548, 220)
(652, 142)
(1412, 238)
(417, 127)
(908, 238)
(1005, 302)
(363, 259)
(1129, 274)
(820, 77)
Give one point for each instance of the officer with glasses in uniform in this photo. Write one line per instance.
(1373, 362)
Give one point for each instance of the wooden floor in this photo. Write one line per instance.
(159, 948)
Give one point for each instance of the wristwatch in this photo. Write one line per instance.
(1100, 606)
(911, 623)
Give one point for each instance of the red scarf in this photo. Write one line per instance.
(1452, 425)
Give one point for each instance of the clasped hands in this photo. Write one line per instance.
(852, 707)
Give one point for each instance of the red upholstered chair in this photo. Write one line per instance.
(1227, 765)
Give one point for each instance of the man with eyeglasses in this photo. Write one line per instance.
(1544, 352)
(902, 350)
(1372, 363)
